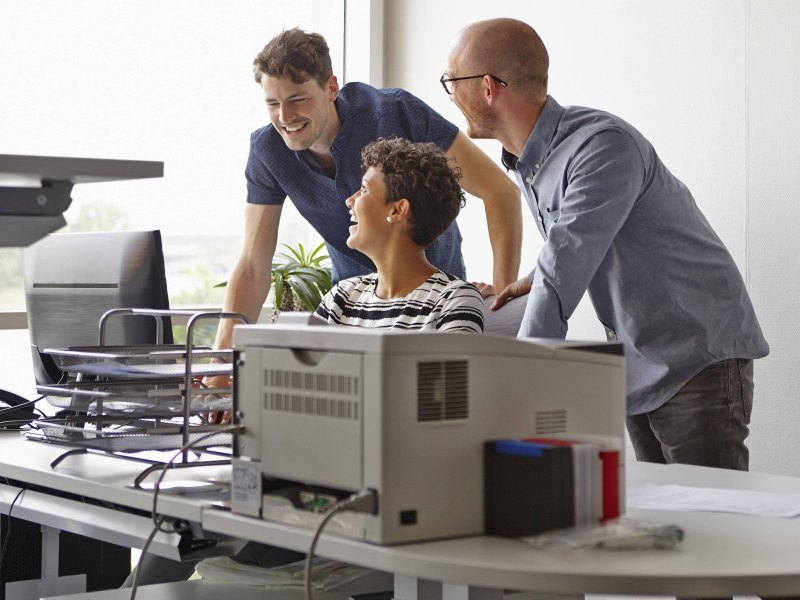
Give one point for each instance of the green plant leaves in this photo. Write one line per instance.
(307, 274)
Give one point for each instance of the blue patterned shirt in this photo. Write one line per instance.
(618, 223)
(274, 171)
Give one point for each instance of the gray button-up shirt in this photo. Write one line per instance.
(618, 223)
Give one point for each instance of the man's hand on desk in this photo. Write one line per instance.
(515, 290)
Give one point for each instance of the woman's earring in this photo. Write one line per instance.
(389, 219)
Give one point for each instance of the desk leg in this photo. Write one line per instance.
(407, 587)
(413, 588)
(459, 591)
(50, 584)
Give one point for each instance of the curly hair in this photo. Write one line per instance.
(419, 172)
(296, 54)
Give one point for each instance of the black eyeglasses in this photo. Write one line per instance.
(447, 82)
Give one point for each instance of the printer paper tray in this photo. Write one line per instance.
(139, 437)
(144, 398)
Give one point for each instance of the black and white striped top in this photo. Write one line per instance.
(442, 303)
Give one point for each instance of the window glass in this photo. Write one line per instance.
(150, 80)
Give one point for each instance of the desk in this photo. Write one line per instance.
(103, 479)
(202, 590)
(723, 554)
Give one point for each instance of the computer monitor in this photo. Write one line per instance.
(72, 279)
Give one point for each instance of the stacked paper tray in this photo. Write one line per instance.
(68, 358)
(136, 437)
(141, 380)
(152, 397)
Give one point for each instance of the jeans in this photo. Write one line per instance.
(705, 423)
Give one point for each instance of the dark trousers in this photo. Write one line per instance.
(705, 423)
(156, 569)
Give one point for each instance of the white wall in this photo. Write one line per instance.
(773, 218)
(713, 84)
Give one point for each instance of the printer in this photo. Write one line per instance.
(336, 410)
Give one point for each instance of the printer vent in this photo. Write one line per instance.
(442, 390)
(551, 421)
(318, 394)
(312, 405)
(311, 382)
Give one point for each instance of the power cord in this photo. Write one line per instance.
(365, 501)
(159, 520)
(16, 423)
(21, 405)
(145, 549)
(7, 536)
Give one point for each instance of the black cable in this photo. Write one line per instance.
(14, 423)
(7, 536)
(158, 521)
(336, 508)
(145, 548)
(17, 423)
(365, 501)
(21, 405)
(171, 461)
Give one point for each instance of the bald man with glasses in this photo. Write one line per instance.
(618, 224)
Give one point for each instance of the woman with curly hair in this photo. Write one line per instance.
(408, 196)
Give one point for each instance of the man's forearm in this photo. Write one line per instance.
(244, 295)
(501, 200)
(504, 221)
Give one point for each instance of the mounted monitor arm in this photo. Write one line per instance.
(27, 214)
(52, 199)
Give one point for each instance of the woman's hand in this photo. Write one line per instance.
(217, 417)
(486, 289)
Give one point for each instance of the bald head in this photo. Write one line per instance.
(507, 48)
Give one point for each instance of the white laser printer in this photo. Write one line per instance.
(405, 414)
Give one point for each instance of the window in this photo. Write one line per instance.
(150, 80)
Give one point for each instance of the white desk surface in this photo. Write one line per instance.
(200, 590)
(184, 590)
(97, 476)
(722, 554)
(100, 477)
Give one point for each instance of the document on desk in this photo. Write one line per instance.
(150, 371)
(679, 497)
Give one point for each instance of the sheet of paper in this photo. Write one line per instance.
(149, 371)
(679, 497)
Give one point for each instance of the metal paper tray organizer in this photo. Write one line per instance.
(135, 398)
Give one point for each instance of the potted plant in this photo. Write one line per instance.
(300, 279)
